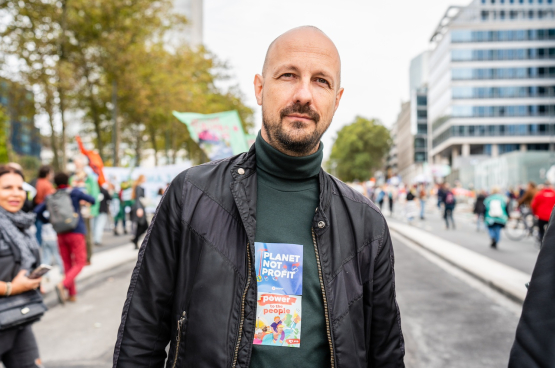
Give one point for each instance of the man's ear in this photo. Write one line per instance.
(338, 98)
(258, 87)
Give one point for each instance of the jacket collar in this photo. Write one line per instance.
(247, 162)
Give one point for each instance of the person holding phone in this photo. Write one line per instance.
(18, 347)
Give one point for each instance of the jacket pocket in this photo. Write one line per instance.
(180, 337)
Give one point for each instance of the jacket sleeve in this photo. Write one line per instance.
(39, 211)
(145, 323)
(85, 197)
(535, 333)
(387, 346)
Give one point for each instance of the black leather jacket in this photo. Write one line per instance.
(194, 283)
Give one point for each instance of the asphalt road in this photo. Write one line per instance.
(448, 319)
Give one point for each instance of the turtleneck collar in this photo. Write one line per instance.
(272, 165)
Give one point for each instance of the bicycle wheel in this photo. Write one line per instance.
(516, 229)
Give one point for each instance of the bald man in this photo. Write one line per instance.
(268, 240)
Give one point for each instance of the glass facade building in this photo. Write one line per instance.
(491, 88)
(18, 102)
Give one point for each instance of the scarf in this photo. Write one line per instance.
(15, 230)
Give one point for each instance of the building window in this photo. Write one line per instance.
(538, 147)
(419, 157)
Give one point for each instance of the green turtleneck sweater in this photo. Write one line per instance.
(288, 194)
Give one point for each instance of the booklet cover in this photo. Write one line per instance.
(279, 275)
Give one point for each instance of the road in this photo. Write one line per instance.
(448, 319)
(520, 255)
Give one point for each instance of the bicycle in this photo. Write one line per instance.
(521, 224)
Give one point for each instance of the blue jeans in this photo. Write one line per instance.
(38, 234)
(495, 232)
(50, 252)
(98, 227)
(422, 208)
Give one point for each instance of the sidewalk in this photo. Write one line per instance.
(115, 251)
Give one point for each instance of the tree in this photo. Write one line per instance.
(359, 149)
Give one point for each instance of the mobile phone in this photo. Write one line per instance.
(40, 271)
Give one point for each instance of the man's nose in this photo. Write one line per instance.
(303, 92)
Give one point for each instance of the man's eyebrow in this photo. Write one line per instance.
(283, 68)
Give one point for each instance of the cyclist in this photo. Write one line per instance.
(526, 198)
(542, 205)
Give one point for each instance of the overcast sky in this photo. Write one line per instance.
(376, 40)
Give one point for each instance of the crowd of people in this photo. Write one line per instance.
(492, 208)
(54, 220)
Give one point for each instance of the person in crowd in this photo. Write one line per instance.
(380, 197)
(480, 209)
(102, 218)
(390, 199)
(449, 202)
(440, 195)
(126, 202)
(18, 346)
(30, 191)
(139, 214)
(411, 209)
(496, 215)
(535, 333)
(44, 188)
(524, 201)
(198, 261)
(72, 244)
(50, 250)
(422, 198)
(542, 206)
(88, 184)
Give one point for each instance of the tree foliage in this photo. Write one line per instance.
(81, 55)
(359, 149)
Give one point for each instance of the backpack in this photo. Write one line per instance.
(62, 214)
(449, 198)
(495, 208)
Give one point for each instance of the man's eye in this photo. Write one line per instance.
(287, 75)
(322, 80)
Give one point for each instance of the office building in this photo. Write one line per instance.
(193, 11)
(491, 85)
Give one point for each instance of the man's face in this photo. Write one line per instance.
(299, 91)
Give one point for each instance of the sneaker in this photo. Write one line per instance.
(61, 293)
(493, 244)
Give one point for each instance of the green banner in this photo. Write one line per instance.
(220, 135)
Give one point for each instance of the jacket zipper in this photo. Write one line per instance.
(243, 306)
(178, 339)
(326, 312)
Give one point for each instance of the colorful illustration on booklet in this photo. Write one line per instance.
(279, 268)
(279, 324)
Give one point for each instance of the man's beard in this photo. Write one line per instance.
(285, 139)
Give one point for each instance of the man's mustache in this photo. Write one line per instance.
(300, 109)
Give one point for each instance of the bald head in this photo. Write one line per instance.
(299, 90)
(304, 37)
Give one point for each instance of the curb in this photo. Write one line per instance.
(101, 262)
(498, 276)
